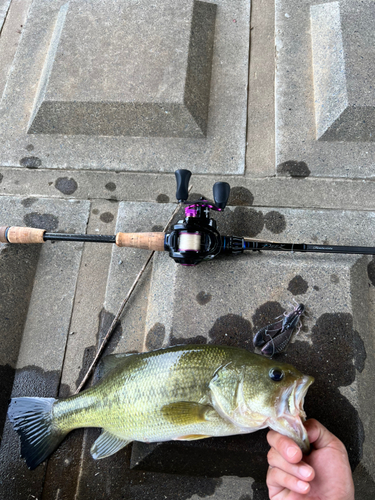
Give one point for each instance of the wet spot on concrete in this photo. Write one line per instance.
(337, 352)
(232, 329)
(315, 287)
(87, 359)
(6, 382)
(275, 222)
(334, 278)
(27, 202)
(240, 196)
(66, 185)
(203, 298)
(162, 198)
(155, 337)
(105, 321)
(298, 286)
(242, 221)
(29, 147)
(266, 314)
(157, 229)
(371, 271)
(260, 490)
(294, 168)
(107, 217)
(31, 162)
(110, 186)
(95, 211)
(1, 178)
(48, 222)
(199, 339)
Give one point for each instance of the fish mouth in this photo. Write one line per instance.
(291, 414)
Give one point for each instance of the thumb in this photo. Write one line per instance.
(321, 436)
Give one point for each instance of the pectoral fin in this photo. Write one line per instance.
(107, 444)
(186, 412)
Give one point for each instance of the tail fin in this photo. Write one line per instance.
(33, 420)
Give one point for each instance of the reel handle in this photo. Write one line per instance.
(182, 179)
(221, 191)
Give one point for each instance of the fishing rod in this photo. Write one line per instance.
(190, 241)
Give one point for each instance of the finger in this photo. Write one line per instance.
(301, 470)
(279, 479)
(321, 436)
(287, 448)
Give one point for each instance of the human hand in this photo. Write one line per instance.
(324, 474)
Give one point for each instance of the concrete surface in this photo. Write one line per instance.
(220, 146)
(58, 300)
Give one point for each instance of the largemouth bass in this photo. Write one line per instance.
(179, 393)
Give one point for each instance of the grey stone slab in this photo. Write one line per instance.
(343, 47)
(159, 88)
(220, 148)
(4, 6)
(44, 334)
(324, 134)
(229, 299)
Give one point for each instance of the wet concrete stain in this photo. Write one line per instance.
(233, 330)
(298, 286)
(162, 198)
(66, 185)
(48, 222)
(316, 288)
(266, 314)
(106, 217)
(171, 487)
(31, 162)
(240, 196)
(336, 354)
(371, 271)
(334, 279)
(275, 222)
(203, 298)
(95, 211)
(199, 339)
(155, 337)
(87, 358)
(1, 178)
(105, 320)
(294, 168)
(242, 222)
(110, 186)
(27, 202)
(29, 147)
(157, 229)
(7, 373)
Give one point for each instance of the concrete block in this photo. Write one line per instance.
(134, 80)
(35, 355)
(324, 74)
(343, 46)
(169, 89)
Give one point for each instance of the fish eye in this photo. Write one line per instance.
(276, 374)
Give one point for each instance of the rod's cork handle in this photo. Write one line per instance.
(147, 241)
(15, 234)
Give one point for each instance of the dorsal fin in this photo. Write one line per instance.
(112, 361)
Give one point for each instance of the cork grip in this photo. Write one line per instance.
(21, 235)
(148, 241)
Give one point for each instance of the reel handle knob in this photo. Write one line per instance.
(182, 179)
(221, 192)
